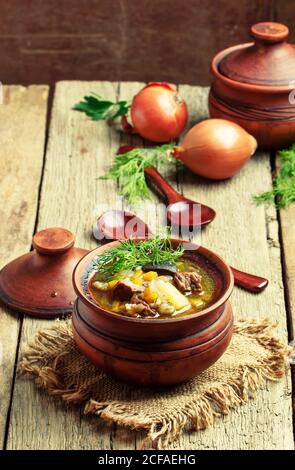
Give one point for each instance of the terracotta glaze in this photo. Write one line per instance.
(154, 352)
(39, 282)
(254, 85)
(116, 224)
(181, 210)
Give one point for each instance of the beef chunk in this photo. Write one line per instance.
(124, 290)
(188, 281)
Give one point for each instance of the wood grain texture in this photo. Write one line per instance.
(247, 237)
(122, 39)
(22, 136)
(80, 150)
(287, 217)
(283, 11)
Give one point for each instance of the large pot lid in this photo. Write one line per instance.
(269, 61)
(39, 283)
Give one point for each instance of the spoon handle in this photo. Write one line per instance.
(248, 281)
(171, 194)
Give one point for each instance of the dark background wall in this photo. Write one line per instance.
(42, 41)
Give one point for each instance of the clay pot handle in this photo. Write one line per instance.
(163, 186)
(248, 281)
(269, 32)
(53, 241)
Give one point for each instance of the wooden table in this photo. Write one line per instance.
(50, 161)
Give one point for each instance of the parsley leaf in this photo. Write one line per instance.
(98, 108)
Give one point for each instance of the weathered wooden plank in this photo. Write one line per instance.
(22, 134)
(247, 237)
(78, 151)
(287, 217)
(147, 210)
(284, 11)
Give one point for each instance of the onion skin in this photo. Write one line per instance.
(216, 148)
(158, 112)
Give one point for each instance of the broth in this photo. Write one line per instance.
(190, 289)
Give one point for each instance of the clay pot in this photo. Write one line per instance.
(254, 86)
(154, 352)
(38, 283)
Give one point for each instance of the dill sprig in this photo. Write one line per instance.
(129, 255)
(129, 168)
(283, 190)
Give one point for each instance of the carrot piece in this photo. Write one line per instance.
(150, 275)
(112, 284)
(149, 295)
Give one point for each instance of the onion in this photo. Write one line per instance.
(158, 112)
(216, 148)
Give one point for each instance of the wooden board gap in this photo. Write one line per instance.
(6, 433)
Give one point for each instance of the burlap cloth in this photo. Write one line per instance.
(253, 357)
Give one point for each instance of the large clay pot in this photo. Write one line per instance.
(254, 86)
(154, 352)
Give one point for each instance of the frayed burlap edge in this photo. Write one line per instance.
(162, 430)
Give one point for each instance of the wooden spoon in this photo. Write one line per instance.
(107, 226)
(119, 225)
(181, 211)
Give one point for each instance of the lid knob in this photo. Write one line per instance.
(53, 241)
(270, 32)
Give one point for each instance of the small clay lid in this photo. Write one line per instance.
(39, 283)
(269, 61)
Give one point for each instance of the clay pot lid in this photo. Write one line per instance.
(39, 283)
(269, 61)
